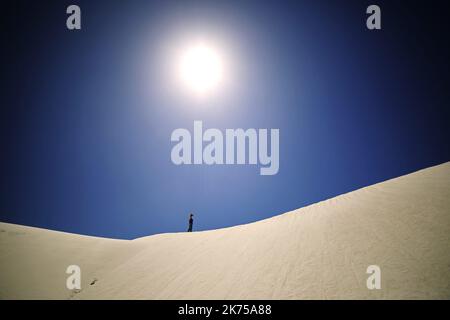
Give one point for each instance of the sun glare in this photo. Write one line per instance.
(201, 68)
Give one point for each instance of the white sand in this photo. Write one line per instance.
(317, 252)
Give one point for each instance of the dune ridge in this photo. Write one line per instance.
(320, 251)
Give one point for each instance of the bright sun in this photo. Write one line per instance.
(201, 68)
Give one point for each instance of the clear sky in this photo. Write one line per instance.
(86, 116)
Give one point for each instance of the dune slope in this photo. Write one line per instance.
(318, 252)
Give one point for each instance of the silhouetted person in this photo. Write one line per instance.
(191, 222)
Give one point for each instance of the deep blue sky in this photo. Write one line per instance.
(86, 116)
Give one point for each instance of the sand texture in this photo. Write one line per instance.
(320, 251)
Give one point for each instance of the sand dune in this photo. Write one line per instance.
(318, 252)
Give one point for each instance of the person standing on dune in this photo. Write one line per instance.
(191, 222)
